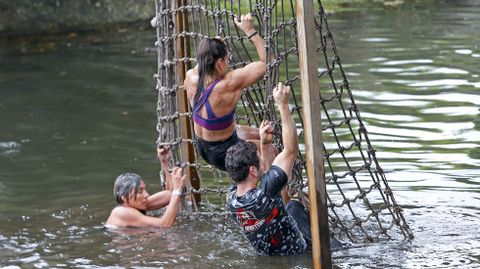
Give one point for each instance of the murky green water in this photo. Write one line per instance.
(73, 118)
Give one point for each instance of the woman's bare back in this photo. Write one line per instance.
(222, 100)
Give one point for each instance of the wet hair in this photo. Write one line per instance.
(124, 185)
(239, 158)
(209, 50)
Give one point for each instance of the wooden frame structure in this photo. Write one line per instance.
(321, 253)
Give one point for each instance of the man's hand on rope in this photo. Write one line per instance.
(245, 23)
(281, 94)
(178, 180)
(164, 155)
(266, 132)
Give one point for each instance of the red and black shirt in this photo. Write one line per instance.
(264, 219)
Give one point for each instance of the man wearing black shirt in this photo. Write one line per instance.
(255, 200)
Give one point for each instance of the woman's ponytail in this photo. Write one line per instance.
(209, 50)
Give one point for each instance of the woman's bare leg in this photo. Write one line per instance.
(247, 133)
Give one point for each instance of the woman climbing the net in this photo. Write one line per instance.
(213, 92)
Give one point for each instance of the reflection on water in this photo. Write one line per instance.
(73, 119)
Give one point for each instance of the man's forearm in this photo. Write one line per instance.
(267, 154)
(289, 131)
(260, 46)
(170, 215)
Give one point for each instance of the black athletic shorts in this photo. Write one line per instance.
(214, 152)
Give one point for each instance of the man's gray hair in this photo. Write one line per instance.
(124, 185)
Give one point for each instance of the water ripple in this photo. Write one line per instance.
(411, 61)
(9, 148)
(453, 110)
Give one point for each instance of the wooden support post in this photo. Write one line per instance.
(307, 55)
(186, 128)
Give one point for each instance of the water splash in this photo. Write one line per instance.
(9, 148)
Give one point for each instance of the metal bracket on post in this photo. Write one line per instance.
(307, 55)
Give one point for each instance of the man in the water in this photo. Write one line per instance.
(255, 202)
(272, 225)
(133, 199)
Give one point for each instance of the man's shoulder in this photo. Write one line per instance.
(120, 216)
(274, 172)
(273, 181)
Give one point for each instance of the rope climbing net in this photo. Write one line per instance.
(361, 204)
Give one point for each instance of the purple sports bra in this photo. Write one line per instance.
(212, 122)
